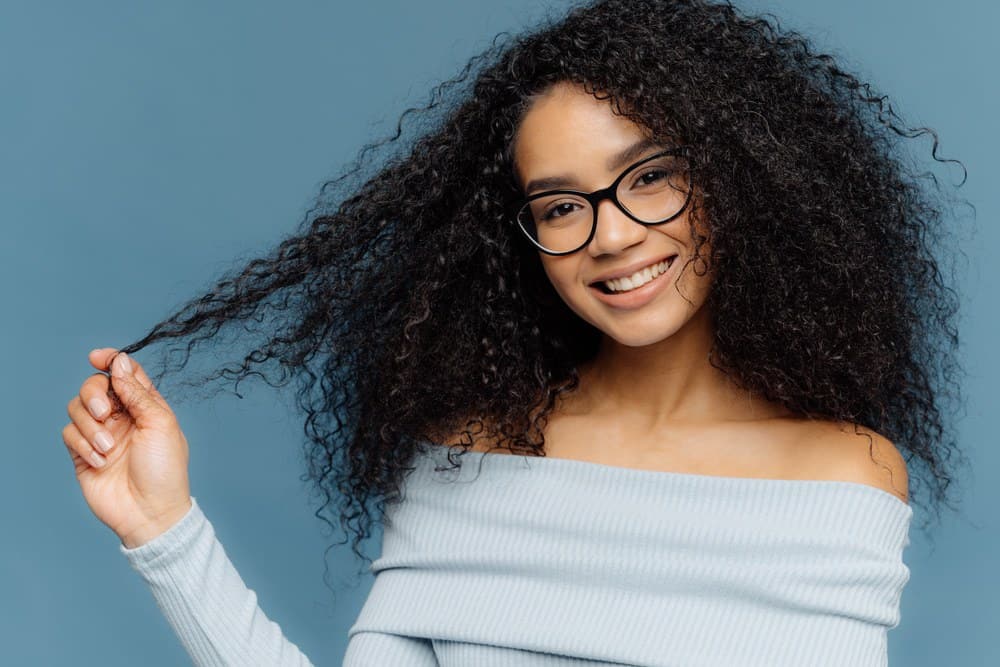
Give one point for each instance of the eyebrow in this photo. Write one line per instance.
(617, 161)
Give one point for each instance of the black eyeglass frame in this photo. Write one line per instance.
(611, 192)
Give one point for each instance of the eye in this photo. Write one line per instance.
(652, 176)
(549, 212)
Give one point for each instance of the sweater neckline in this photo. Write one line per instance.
(646, 476)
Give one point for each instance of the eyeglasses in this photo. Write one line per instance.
(652, 191)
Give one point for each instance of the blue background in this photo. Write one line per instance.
(145, 146)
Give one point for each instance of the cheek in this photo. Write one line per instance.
(696, 282)
(565, 280)
(562, 274)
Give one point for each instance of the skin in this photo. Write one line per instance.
(650, 399)
(139, 487)
(652, 366)
(651, 375)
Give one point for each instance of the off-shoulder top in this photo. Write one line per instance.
(538, 561)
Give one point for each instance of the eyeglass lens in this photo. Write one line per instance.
(653, 191)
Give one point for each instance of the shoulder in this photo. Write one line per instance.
(854, 453)
(459, 434)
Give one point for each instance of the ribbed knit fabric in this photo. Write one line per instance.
(516, 560)
(206, 601)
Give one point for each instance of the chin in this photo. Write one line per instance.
(635, 330)
(645, 326)
(640, 336)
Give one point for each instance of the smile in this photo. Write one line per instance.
(638, 289)
(639, 278)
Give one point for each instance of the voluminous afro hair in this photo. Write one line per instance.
(407, 306)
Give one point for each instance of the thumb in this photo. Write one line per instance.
(140, 403)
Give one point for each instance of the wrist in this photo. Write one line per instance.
(153, 529)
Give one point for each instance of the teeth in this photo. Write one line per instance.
(639, 278)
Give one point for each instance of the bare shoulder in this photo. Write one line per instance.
(854, 453)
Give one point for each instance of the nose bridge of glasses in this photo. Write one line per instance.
(604, 194)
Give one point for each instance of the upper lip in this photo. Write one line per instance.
(626, 271)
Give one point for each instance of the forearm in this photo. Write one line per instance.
(205, 600)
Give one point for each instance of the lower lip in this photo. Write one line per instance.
(638, 297)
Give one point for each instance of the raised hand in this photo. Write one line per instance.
(139, 487)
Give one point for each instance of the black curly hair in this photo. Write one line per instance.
(408, 306)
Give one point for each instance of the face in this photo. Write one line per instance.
(568, 132)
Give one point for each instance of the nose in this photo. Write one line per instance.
(615, 230)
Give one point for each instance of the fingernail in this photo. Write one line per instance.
(98, 460)
(123, 364)
(97, 407)
(104, 441)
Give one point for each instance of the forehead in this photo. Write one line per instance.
(568, 129)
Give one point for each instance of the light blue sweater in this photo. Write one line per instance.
(546, 561)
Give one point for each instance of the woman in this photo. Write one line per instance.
(665, 260)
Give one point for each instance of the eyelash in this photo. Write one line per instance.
(548, 212)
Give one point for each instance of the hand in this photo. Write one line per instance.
(141, 489)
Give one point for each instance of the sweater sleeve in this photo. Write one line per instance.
(204, 599)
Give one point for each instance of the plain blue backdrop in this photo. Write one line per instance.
(145, 146)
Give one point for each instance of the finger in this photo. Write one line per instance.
(97, 434)
(79, 445)
(139, 373)
(94, 395)
(102, 359)
(144, 406)
(78, 463)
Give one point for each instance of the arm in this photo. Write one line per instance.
(204, 599)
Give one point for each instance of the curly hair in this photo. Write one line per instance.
(407, 306)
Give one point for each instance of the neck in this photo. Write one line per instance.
(668, 382)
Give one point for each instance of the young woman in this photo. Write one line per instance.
(661, 272)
